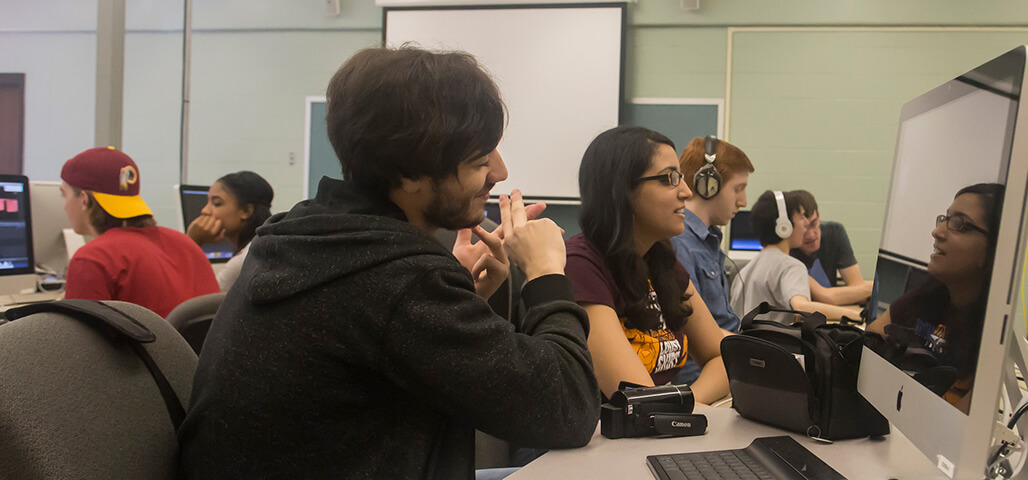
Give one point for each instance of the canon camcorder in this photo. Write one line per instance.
(635, 411)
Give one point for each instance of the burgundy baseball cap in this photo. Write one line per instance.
(111, 176)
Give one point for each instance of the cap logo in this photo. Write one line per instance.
(128, 176)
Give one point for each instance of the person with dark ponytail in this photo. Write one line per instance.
(645, 316)
(237, 204)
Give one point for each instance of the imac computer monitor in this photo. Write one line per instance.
(949, 266)
(192, 199)
(49, 222)
(15, 226)
(563, 212)
(17, 263)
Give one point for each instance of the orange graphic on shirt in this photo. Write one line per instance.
(659, 350)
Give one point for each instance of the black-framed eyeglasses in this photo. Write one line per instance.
(958, 224)
(671, 179)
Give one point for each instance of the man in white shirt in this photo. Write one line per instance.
(773, 276)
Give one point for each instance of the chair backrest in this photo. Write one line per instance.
(75, 404)
(491, 452)
(192, 318)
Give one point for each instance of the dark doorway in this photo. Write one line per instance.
(12, 122)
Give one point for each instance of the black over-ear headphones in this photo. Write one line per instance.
(783, 225)
(707, 181)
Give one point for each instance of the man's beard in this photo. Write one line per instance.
(454, 211)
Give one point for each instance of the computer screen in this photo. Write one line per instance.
(15, 226)
(952, 242)
(192, 199)
(741, 235)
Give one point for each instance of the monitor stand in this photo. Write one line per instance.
(17, 284)
(1008, 454)
(72, 241)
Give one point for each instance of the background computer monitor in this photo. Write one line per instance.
(16, 256)
(48, 223)
(966, 131)
(896, 277)
(192, 199)
(563, 212)
(742, 243)
(741, 235)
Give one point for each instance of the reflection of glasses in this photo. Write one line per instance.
(958, 224)
(671, 179)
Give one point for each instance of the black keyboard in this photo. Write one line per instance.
(711, 465)
(766, 458)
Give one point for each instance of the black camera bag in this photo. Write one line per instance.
(817, 398)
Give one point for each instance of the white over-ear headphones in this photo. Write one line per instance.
(783, 225)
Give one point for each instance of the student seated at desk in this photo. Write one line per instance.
(827, 254)
(780, 222)
(945, 313)
(131, 259)
(698, 247)
(645, 316)
(237, 204)
(355, 345)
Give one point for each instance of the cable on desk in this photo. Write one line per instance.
(722, 402)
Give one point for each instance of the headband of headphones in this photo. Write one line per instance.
(783, 225)
(710, 147)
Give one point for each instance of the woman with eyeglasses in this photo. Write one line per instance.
(645, 316)
(945, 313)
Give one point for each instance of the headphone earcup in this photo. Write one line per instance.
(783, 227)
(707, 182)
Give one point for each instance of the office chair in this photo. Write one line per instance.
(192, 318)
(76, 401)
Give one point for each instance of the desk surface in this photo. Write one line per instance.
(17, 300)
(893, 457)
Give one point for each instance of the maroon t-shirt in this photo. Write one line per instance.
(663, 352)
(933, 333)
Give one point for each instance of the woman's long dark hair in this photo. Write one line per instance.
(606, 180)
(964, 333)
(248, 188)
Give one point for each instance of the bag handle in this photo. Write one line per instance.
(123, 327)
(808, 324)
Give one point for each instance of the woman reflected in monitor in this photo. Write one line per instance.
(945, 314)
(645, 316)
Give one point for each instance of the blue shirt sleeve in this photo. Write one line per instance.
(705, 263)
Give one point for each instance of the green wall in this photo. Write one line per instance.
(814, 108)
(832, 13)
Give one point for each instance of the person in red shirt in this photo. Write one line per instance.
(131, 259)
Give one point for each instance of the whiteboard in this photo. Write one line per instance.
(559, 70)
